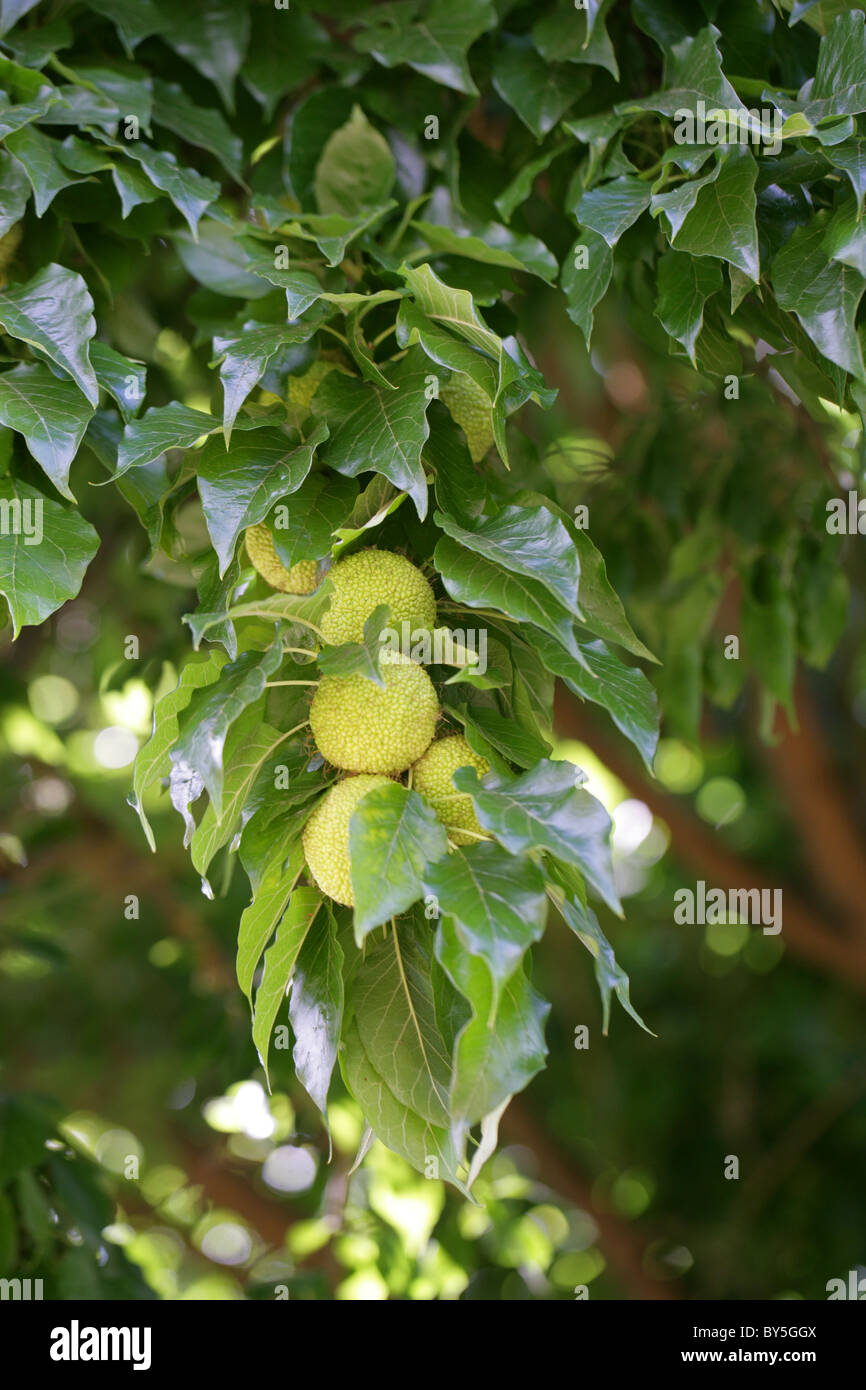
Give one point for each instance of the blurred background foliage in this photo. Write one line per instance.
(169, 1171)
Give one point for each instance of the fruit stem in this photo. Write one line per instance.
(326, 328)
(380, 338)
(271, 685)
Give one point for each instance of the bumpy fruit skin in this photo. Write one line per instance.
(470, 409)
(8, 246)
(361, 727)
(302, 578)
(303, 388)
(326, 836)
(431, 776)
(368, 578)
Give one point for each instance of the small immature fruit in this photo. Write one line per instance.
(361, 727)
(365, 580)
(302, 578)
(302, 389)
(432, 775)
(8, 246)
(326, 836)
(470, 409)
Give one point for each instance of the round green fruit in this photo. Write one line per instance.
(470, 409)
(8, 246)
(431, 776)
(302, 578)
(302, 389)
(362, 727)
(326, 836)
(369, 578)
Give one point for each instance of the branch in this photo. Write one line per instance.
(816, 801)
(806, 933)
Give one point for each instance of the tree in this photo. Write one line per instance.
(306, 270)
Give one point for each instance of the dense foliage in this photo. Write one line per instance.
(199, 204)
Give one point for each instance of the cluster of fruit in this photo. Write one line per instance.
(373, 733)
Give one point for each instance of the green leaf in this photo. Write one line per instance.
(162, 427)
(214, 591)
(623, 691)
(393, 835)
(34, 1212)
(519, 188)
(332, 232)
(14, 192)
(356, 169)
(474, 580)
(303, 289)
(498, 907)
(130, 92)
(280, 957)
(531, 542)
(540, 91)
(685, 283)
(611, 208)
(239, 486)
(219, 261)
(722, 221)
(515, 742)
(51, 414)
(611, 978)
(135, 19)
(316, 1009)
(198, 125)
(123, 379)
(824, 294)
(768, 621)
(245, 360)
(308, 520)
(374, 428)
(429, 1148)
(677, 203)
(250, 760)
(435, 45)
(446, 350)
(491, 1061)
(13, 10)
(845, 239)
(133, 187)
(211, 713)
(212, 35)
(586, 275)
(285, 49)
(153, 760)
(359, 658)
(693, 74)
(492, 245)
(39, 157)
(53, 312)
(270, 898)
(15, 115)
(838, 87)
(391, 1000)
(543, 809)
(570, 36)
(45, 549)
(25, 1124)
(850, 156)
(190, 191)
(602, 610)
(292, 608)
